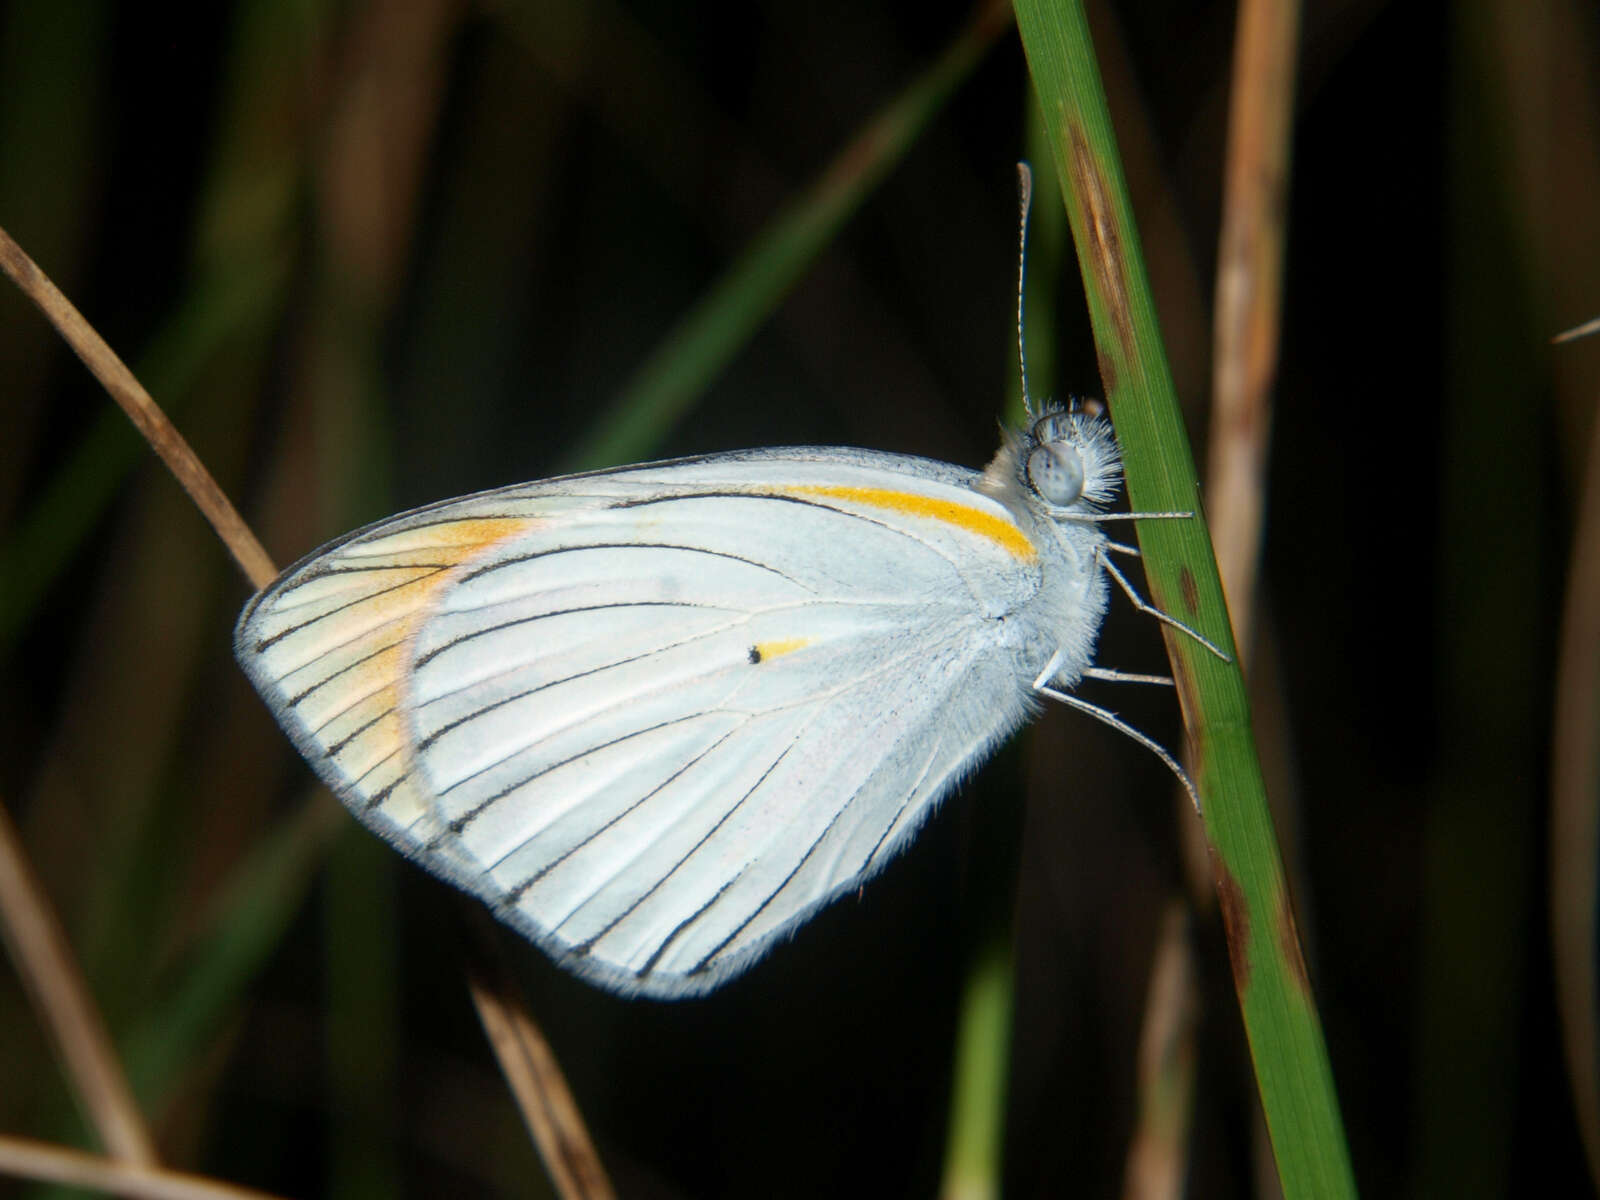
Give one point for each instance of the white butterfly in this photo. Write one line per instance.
(656, 717)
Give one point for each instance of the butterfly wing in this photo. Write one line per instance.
(656, 717)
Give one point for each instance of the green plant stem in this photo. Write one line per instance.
(1275, 997)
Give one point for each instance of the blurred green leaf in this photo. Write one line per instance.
(710, 334)
(239, 933)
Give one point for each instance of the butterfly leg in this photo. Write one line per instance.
(1107, 674)
(1100, 518)
(1145, 606)
(1107, 717)
(1112, 675)
(1049, 672)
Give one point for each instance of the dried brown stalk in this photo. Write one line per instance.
(1245, 359)
(145, 414)
(547, 1105)
(541, 1090)
(54, 1164)
(61, 998)
(1574, 823)
(1249, 292)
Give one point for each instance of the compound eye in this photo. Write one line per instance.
(1053, 427)
(1055, 472)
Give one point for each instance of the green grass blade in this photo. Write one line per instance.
(978, 1091)
(711, 333)
(244, 929)
(1280, 1016)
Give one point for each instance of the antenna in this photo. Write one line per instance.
(1024, 203)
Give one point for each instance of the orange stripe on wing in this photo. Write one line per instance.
(966, 517)
(450, 541)
(355, 704)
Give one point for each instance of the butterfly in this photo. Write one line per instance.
(656, 717)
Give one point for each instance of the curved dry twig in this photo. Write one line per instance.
(46, 1163)
(1249, 293)
(61, 998)
(1245, 356)
(533, 1074)
(1574, 822)
(514, 1036)
(144, 412)
(1158, 1157)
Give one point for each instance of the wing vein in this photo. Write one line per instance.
(631, 808)
(485, 630)
(460, 823)
(295, 700)
(268, 642)
(518, 559)
(656, 954)
(465, 718)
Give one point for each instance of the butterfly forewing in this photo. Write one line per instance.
(657, 716)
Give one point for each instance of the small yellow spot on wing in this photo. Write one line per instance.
(762, 651)
(967, 517)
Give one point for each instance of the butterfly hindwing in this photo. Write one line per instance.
(657, 716)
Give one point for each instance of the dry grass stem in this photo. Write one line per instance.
(145, 414)
(537, 1084)
(1158, 1157)
(1245, 353)
(61, 998)
(541, 1090)
(1249, 294)
(1574, 823)
(1249, 297)
(44, 1163)
(1577, 331)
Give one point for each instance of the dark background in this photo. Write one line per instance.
(373, 255)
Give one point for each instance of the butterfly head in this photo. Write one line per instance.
(1065, 461)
